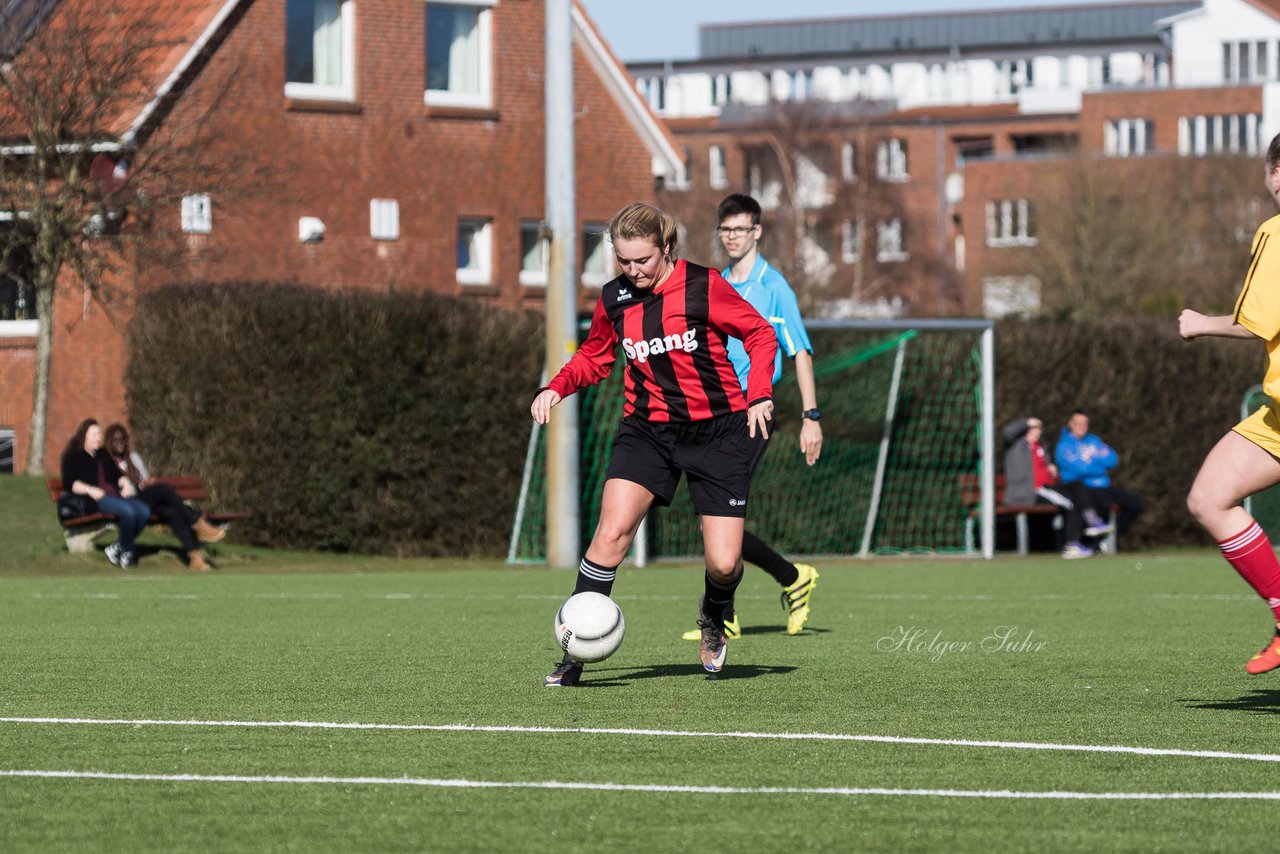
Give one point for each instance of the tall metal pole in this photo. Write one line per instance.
(562, 278)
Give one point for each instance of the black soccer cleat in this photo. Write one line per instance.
(566, 674)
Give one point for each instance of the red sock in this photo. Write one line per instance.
(1251, 554)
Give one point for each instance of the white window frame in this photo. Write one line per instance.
(484, 23)
(1233, 133)
(346, 90)
(891, 159)
(197, 213)
(384, 219)
(848, 162)
(891, 245)
(719, 171)
(850, 241)
(535, 278)
(1007, 296)
(1130, 137)
(596, 279)
(1009, 223)
(481, 272)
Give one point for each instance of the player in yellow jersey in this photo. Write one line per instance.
(1247, 459)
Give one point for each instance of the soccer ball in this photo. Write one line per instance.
(589, 627)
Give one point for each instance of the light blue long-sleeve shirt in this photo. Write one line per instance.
(1087, 460)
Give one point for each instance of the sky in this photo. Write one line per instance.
(668, 29)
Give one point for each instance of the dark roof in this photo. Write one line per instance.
(938, 31)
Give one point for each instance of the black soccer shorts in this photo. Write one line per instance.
(716, 455)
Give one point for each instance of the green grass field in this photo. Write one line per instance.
(844, 738)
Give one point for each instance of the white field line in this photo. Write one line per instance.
(649, 787)
(663, 733)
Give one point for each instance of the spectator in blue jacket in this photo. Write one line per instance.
(1083, 457)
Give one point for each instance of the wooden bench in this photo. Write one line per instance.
(971, 497)
(81, 531)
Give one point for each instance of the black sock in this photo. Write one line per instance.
(756, 552)
(717, 599)
(594, 578)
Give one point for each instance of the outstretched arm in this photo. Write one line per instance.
(1193, 324)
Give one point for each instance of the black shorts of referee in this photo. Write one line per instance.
(717, 456)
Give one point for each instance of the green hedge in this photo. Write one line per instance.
(398, 424)
(377, 423)
(1161, 402)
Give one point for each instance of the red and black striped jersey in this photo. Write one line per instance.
(673, 338)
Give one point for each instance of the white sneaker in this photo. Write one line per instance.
(113, 553)
(1075, 551)
(1095, 525)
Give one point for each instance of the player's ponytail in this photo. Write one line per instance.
(645, 221)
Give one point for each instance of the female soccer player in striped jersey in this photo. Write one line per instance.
(684, 410)
(1247, 459)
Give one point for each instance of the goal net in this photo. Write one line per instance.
(906, 434)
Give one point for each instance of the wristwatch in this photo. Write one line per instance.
(812, 414)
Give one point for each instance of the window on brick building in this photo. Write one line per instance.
(597, 259)
(849, 162)
(533, 254)
(17, 296)
(891, 159)
(7, 440)
(384, 219)
(1010, 223)
(850, 241)
(1236, 133)
(320, 49)
(1128, 137)
(719, 171)
(891, 242)
(1010, 296)
(475, 251)
(197, 213)
(460, 53)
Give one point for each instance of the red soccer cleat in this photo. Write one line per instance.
(1268, 659)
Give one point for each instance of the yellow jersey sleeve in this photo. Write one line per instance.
(1258, 306)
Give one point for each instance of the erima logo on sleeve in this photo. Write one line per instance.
(640, 351)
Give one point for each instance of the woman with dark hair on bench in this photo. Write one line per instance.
(187, 524)
(87, 469)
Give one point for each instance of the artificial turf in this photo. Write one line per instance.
(1132, 651)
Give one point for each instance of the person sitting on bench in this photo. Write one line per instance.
(187, 523)
(87, 469)
(1030, 478)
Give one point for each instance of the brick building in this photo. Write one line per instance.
(919, 147)
(402, 148)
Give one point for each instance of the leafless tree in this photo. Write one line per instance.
(1123, 236)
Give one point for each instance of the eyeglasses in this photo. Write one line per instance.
(735, 230)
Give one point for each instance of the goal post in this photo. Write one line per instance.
(908, 420)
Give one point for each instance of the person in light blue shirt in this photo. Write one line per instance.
(767, 290)
(1083, 457)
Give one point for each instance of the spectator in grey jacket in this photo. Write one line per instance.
(1032, 478)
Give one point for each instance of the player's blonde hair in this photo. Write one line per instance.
(641, 220)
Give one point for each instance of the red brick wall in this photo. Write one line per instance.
(293, 159)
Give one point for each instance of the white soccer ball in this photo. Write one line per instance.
(589, 627)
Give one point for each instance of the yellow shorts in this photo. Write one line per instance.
(1263, 429)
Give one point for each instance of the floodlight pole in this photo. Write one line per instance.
(562, 334)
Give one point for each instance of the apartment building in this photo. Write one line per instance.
(907, 154)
